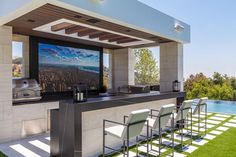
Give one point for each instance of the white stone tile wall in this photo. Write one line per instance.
(171, 65)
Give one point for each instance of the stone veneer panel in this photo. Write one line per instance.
(123, 67)
(171, 65)
(5, 83)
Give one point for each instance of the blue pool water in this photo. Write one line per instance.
(228, 107)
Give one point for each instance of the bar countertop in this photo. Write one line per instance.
(124, 99)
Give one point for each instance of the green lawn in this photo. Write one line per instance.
(222, 146)
(2, 155)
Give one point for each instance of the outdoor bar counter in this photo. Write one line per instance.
(76, 128)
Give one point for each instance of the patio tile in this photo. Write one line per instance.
(230, 124)
(209, 137)
(131, 154)
(176, 155)
(203, 124)
(221, 128)
(188, 132)
(178, 137)
(222, 115)
(216, 132)
(48, 138)
(153, 152)
(196, 129)
(212, 121)
(166, 142)
(24, 151)
(232, 121)
(40, 145)
(218, 118)
(196, 116)
(200, 142)
(193, 119)
(208, 113)
(190, 149)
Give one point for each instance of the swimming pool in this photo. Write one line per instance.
(228, 107)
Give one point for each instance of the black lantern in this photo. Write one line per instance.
(176, 86)
(80, 93)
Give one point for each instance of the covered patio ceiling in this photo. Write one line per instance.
(50, 21)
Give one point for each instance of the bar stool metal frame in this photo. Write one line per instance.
(184, 122)
(200, 106)
(161, 131)
(126, 142)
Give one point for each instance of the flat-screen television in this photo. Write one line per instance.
(61, 67)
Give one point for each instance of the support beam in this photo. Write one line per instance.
(87, 32)
(171, 65)
(97, 35)
(74, 29)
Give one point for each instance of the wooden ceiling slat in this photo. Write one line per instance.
(87, 32)
(74, 29)
(97, 35)
(126, 41)
(108, 36)
(118, 38)
(61, 26)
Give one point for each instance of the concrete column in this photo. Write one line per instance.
(171, 65)
(123, 61)
(5, 83)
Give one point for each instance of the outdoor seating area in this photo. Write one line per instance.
(175, 134)
(152, 136)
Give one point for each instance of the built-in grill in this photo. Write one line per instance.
(25, 90)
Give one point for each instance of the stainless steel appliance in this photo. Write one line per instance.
(25, 90)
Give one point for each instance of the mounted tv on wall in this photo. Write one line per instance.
(60, 66)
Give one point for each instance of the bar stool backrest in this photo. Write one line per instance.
(200, 105)
(163, 116)
(136, 121)
(184, 110)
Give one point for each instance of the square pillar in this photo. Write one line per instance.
(5, 83)
(123, 62)
(171, 65)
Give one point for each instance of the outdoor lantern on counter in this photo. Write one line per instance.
(80, 93)
(176, 86)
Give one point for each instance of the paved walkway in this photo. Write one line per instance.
(37, 146)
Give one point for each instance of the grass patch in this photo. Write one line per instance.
(222, 146)
(2, 155)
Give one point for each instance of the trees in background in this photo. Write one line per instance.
(146, 69)
(218, 87)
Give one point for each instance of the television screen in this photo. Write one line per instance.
(61, 67)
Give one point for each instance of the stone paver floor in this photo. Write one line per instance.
(38, 146)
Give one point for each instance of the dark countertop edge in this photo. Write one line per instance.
(118, 101)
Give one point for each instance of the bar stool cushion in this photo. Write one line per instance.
(115, 130)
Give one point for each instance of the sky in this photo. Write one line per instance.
(213, 33)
